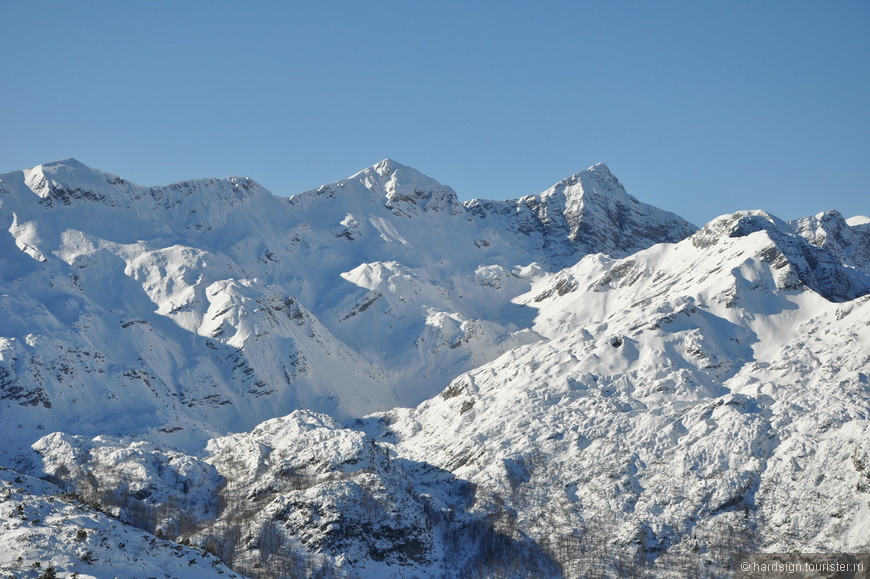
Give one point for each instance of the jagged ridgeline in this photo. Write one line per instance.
(374, 379)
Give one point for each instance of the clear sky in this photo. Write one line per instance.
(701, 108)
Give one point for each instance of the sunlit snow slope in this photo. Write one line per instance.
(710, 394)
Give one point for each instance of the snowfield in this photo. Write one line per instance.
(374, 379)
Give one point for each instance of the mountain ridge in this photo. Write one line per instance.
(206, 264)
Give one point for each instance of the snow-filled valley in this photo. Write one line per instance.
(374, 379)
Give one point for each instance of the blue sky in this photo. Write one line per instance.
(701, 108)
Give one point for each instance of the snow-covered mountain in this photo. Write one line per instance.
(374, 379)
(208, 306)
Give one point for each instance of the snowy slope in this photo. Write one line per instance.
(42, 529)
(692, 398)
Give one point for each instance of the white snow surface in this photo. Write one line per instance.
(376, 380)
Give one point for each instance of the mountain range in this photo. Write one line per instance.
(374, 379)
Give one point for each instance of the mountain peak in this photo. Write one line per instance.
(845, 237)
(406, 189)
(61, 180)
(595, 185)
(598, 172)
(599, 214)
(737, 224)
(389, 166)
(817, 251)
(70, 162)
(601, 168)
(391, 170)
(62, 168)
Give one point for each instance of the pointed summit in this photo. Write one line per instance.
(407, 190)
(401, 176)
(599, 215)
(599, 173)
(587, 212)
(602, 169)
(597, 180)
(389, 166)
